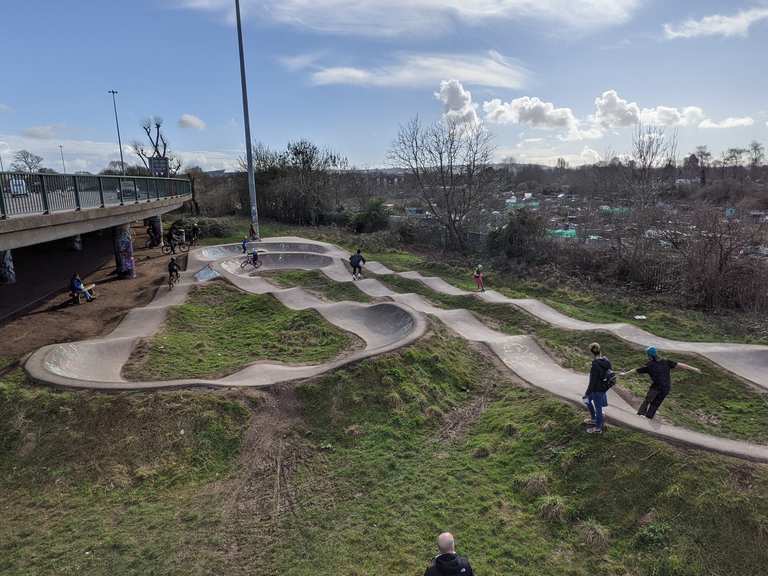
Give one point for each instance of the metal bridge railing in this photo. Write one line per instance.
(26, 194)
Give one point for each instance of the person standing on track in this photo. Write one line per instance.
(244, 244)
(357, 261)
(601, 378)
(479, 279)
(660, 372)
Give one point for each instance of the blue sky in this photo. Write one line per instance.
(549, 78)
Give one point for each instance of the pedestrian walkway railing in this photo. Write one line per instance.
(27, 194)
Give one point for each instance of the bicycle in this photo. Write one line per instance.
(182, 246)
(247, 263)
(173, 279)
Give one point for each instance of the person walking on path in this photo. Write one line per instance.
(479, 279)
(357, 261)
(447, 562)
(244, 245)
(660, 372)
(601, 379)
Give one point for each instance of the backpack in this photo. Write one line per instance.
(608, 381)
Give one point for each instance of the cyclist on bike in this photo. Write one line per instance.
(255, 258)
(173, 271)
(195, 233)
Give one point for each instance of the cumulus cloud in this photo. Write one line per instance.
(728, 123)
(300, 61)
(457, 102)
(536, 113)
(590, 156)
(191, 121)
(422, 70)
(409, 17)
(717, 25)
(613, 111)
(47, 132)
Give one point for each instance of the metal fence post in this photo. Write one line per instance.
(101, 191)
(120, 188)
(135, 191)
(78, 205)
(44, 194)
(157, 190)
(3, 213)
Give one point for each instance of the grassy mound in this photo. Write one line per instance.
(393, 450)
(220, 329)
(317, 282)
(113, 484)
(716, 402)
(524, 489)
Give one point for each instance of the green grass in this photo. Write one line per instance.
(525, 491)
(662, 319)
(95, 484)
(715, 403)
(220, 329)
(113, 484)
(319, 283)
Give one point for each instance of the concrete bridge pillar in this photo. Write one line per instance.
(7, 272)
(157, 226)
(123, 244)
(76, 243)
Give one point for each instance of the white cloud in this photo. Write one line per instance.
(717, 25)
(612, 111)
(457, 102)
(673, 117)
(590, 156)
(93, 156)
(420, 70)
(300, 61)
(728, 123)
(47, 132)
(400, 17)
(191, 121)
(537, 113)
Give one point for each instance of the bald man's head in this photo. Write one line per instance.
(445, 543)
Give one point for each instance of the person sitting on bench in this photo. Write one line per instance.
(78, 289)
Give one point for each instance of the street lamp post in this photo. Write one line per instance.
(63, 165)
(117, 123)
(248, 151)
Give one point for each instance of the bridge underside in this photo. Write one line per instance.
(29, 230)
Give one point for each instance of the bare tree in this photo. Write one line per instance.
(159, 145)
(26, 161)
(652, 149)
(756, 154)
(705, 157)
(450, 164)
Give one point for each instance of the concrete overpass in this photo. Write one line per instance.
(37, 208)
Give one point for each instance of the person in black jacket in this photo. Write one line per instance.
(660, 372)
(448, 563)
(357, 261)
(596, 396)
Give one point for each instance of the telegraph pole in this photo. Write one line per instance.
(248, 151)
(117, 123)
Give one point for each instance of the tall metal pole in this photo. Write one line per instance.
(248, 151)
(117, 123)
(63, 165)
